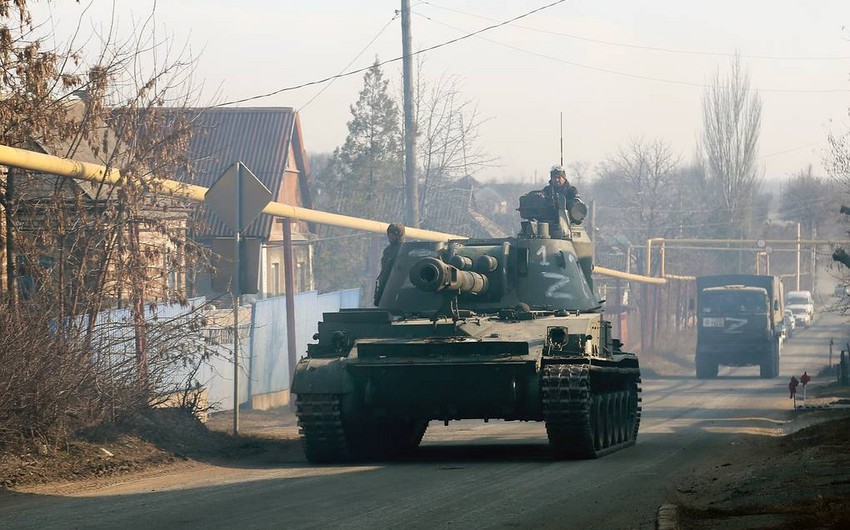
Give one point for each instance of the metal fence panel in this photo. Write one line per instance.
(269, 364)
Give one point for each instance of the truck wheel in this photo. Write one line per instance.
(706, 368)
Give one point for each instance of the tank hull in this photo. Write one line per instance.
(385, 391)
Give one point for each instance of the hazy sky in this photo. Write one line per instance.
(616, 69)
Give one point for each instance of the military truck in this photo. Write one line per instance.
(740, 323)
(507, 328)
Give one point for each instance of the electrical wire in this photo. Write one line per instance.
(635, 76)
(344, 68)
(649, 48)
(777, 153)
(396, 59)
(691, 210)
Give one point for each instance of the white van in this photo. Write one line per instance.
(802, 305)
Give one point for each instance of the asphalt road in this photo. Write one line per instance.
(466, 475)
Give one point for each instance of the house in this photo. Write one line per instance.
(75, 235)
(268, 141)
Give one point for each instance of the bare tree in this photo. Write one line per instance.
(731, 114)
(636, 190)
(809, 200)
(837, 161)
(578, 173)
(449, 126)
(79, 250)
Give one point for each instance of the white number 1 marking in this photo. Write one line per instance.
(542, 253)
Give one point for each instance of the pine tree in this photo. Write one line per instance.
(359, 179)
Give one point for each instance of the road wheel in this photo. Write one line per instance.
(596, 422)
(623, 398)
(607, 420)
(634, 409)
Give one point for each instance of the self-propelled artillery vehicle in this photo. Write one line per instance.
(505, 328)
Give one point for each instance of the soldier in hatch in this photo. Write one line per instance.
(565, 195)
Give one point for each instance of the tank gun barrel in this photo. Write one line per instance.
(433, 275)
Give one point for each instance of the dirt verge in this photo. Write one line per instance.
(794, 481)
(157, 438)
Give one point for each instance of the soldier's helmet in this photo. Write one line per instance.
(557, 171)
(395, 229)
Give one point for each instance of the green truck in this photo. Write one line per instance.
(740, 323)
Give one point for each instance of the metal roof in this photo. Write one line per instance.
(259, 137)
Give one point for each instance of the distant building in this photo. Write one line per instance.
(454, 207)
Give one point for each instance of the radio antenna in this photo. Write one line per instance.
(562, 138)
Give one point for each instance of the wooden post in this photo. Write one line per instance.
(11, 287)
(289, 285)
(138, 291)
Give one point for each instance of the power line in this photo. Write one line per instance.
(691, 210)
(344, 68)
(633, 76)
(396, 59)
(650, 48)
(777, 153)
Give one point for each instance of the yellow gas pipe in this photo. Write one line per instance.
(66, 167)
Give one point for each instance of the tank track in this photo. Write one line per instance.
(320, 426)
(581, 424)
(327, 440)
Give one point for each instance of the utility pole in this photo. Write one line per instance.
(562, 140)
(798, 258)
(411, 186)
(814, 265)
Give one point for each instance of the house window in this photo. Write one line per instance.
(275, 278)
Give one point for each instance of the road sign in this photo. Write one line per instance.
(224, 263)
(237, 189)
(237, 197)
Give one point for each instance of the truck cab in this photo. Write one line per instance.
(740, 323)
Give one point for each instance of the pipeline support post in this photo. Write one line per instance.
(289, 285)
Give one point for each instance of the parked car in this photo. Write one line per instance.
(790, 323)
(802, 305)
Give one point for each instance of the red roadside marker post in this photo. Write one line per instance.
(792, 388)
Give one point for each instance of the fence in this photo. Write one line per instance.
(264, 375)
